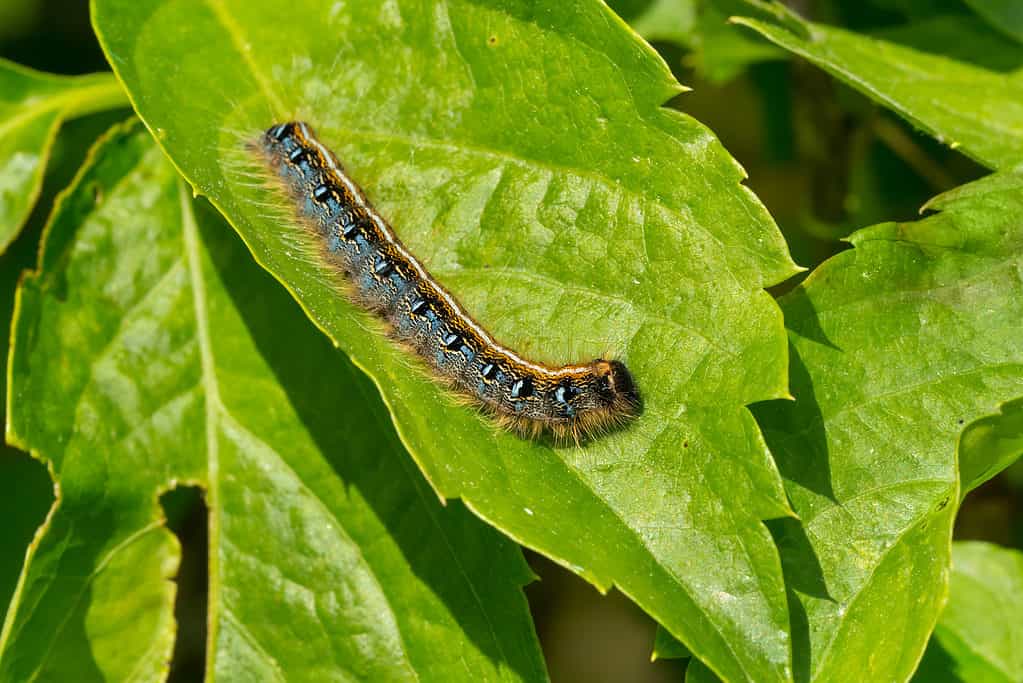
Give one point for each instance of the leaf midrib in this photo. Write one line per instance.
(216, 411)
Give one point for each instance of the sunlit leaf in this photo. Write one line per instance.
(32, 106)
(979, 638)
(896, 345)
(521, 150)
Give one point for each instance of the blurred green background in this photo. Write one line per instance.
(824, 160)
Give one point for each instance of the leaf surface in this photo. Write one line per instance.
(26, 490)
(522, 153)
(895, 346)
(976, 109)
(149, 351)
(32, 106)
(979, 637)
(1003, 15)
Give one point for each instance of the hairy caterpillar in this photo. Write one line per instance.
(382, 276)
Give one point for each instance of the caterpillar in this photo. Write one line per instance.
(382, 276)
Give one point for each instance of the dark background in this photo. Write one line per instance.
(822, 158)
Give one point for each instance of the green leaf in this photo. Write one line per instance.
(25, 496)
(671, 21)
(961, 38)
(990, 445)
(969, 107)
(522, 152)
(717, 50)
(26, 491)
(698, 672)
(895, 346)
(149, 350)
(667, 647)
(25, 488)
(32, 107)
(1004, 15)
(979, 634)
(724, 50)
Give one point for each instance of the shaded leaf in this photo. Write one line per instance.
(25, 496)
(990, 445)
(724, 50)
(895, 346)
(979, 637)
(148, 351)
(698, 672)
(26, 491)
(975, 109)
(1003, 15)
(522, 151)
(964, 39)
(25, 488)
(32, 106)
(667, 647)
(717, 50)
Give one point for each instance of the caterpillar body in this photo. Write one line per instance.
(381, 275)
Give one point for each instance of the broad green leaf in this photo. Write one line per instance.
(1004, 15)
(150, 350)
(979, 638)
(32, 106)
(975, 109)
(895, 346)
(522, 152)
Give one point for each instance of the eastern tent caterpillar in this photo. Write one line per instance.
(383, 277)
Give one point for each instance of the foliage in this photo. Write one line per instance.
(32, 107)
(784, 504)
(978, 636)
(146, 295)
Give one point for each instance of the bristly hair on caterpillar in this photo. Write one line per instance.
(577, 401)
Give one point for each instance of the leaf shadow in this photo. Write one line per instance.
(796, 436)
(73, 546)
(362, 446)
(795, 433)
(937, 665)
(803, 575)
